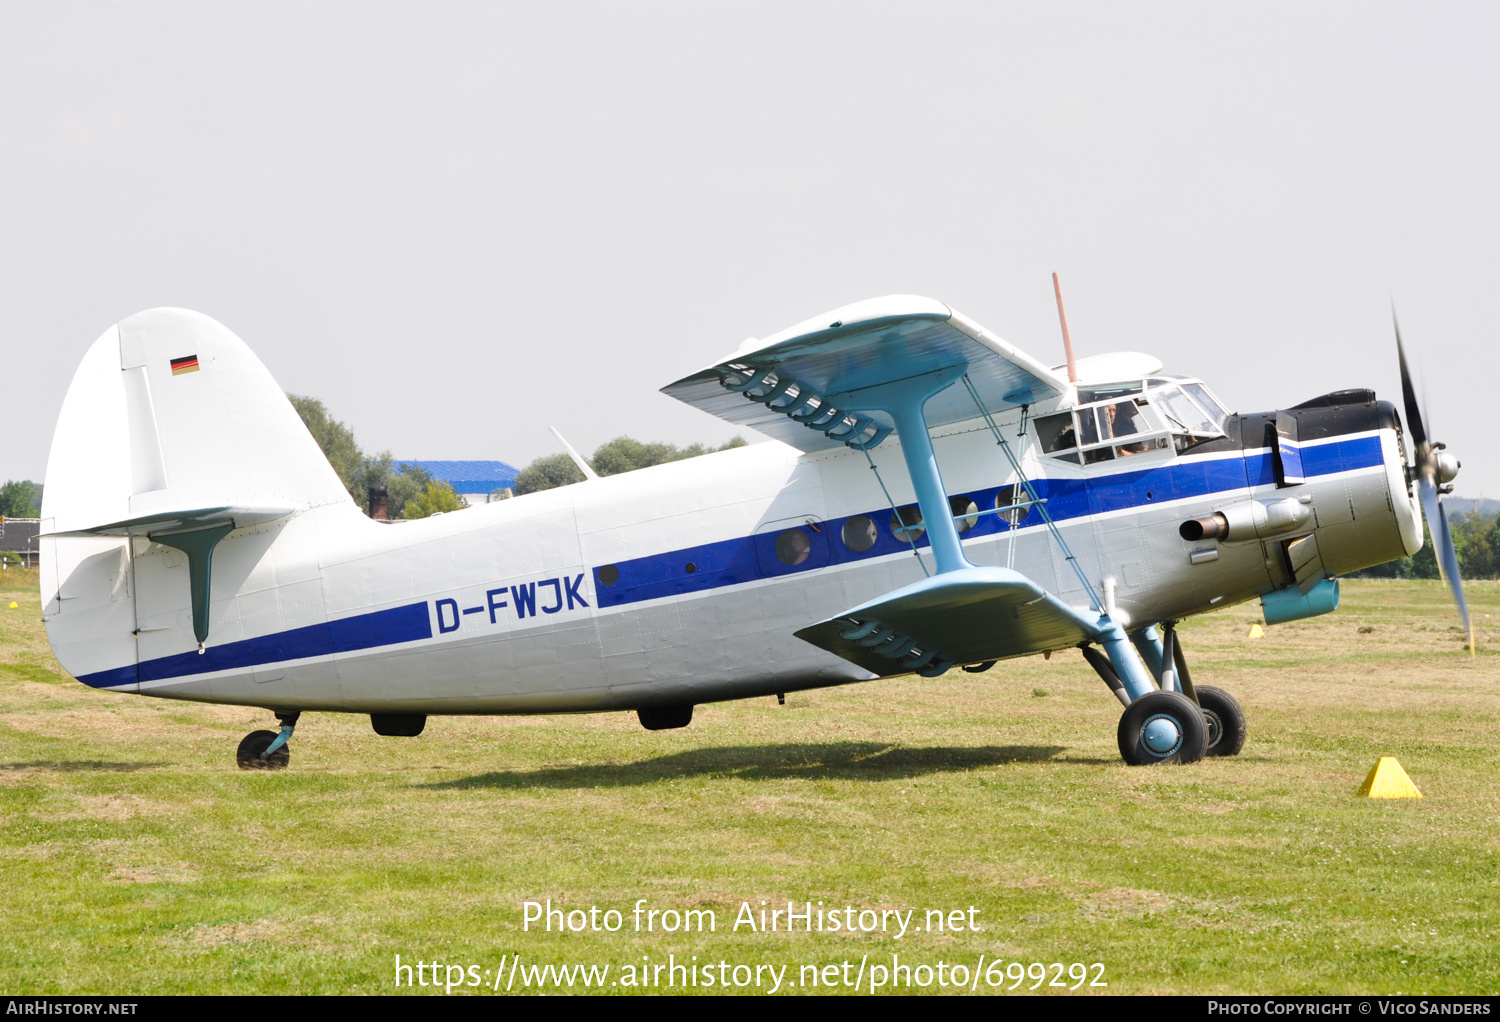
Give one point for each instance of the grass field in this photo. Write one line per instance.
(136, 858)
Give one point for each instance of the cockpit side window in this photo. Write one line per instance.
(1088, 425)
(1121, 418)
(1117, 424)
(1055, 432)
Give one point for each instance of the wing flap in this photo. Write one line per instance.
(961, 617)
(780, 386)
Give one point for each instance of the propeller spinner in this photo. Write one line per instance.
(1433, 469)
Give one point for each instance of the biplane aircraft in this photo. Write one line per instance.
(932, 501)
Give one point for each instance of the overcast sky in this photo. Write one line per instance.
(458, 224)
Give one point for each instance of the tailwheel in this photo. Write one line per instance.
(251, 755)
(266, 750)
(1226, 721)
(1162, 727)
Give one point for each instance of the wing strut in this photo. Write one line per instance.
(903, 401)
(1041, 505)
(1132, 674)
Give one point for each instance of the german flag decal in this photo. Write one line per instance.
(186, 364)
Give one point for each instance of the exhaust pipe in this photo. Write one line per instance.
(1211, 527)
(1249, 520)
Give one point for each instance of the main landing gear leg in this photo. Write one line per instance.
(1160, 724)
(267, 750)
(1173, 721)
(1100, 663)
(1226, 721)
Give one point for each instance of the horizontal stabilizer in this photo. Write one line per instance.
(790, 386)
(959, 617)
(182, 521)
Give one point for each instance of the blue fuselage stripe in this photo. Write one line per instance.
(363, 631)
(751, 558)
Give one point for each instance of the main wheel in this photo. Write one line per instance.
(664, 718)
(1226, 721)
(1162, 727)
(251, 753)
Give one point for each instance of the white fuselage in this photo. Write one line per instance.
(503, 608)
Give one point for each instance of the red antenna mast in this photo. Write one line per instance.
(1067, 339)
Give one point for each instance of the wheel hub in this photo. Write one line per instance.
(1215, 727)
(1161, 735)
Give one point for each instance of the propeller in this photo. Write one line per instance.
(1433, 469)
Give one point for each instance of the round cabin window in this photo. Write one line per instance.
(609, 575)
(792, 547)
(1008, 496)
(906, 524)
(965, 513)
(859, 534)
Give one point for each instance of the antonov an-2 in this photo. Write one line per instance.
(932, 499)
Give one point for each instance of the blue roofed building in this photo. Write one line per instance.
(477, 482)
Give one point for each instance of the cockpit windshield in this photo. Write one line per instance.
(1195, 415)
(1183, 415)
(1208, 403)
(1116, 420)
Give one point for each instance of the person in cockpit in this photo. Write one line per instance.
(1123, 419)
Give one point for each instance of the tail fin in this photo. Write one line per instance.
(173, 430)
(170, 412)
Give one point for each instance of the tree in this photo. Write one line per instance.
(546, 472)
(1476, 541)
(436, 498)
(622, 454)
(20, 498)
(337, 442)
(358, 472)
(403, 482)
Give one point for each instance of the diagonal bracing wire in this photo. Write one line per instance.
(1041, 505)
(896, 515)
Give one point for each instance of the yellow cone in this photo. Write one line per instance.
(14, 604)
(1256, 632)
(1388, 780)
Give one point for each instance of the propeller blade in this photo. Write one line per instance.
(1447, 555)
(1408, 393)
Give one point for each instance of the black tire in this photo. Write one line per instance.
(1162, 727)
(664, 718)
(251, 753)
(1226, 721)
(398, 725)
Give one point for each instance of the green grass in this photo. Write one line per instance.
(136, 858)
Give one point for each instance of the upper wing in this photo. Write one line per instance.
(786, 377)
(959, 617)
